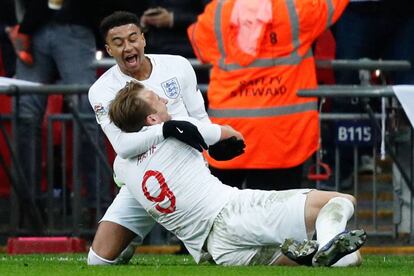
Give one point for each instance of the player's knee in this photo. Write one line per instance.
(318, 199)
(106, 251)
(111, 240)
(349, 197)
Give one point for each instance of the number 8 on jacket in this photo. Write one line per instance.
(165, 191)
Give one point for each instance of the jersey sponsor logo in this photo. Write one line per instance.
(171, 88)
(100, 111)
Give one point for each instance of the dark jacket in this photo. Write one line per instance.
(174, 40)
(79, 12)
(37, 13)
(7, 13)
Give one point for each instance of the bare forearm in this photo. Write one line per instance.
(227, 132)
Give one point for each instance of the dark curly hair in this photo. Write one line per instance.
(116, 19)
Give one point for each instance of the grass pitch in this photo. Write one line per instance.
(166, 265)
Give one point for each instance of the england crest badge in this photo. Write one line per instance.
(171, 88)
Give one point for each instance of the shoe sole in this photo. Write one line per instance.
(341, 245)
(300, 252)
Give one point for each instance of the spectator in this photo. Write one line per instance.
(381, 29)
(63, 47)
(7, 18)
(261, 56)
(167, 22)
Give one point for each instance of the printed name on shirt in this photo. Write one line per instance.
(100, 111)
(144, 155)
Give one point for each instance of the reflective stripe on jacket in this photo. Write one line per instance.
(254, 80)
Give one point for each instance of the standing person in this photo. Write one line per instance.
(169, 76)
(167, 22)
(381, 29)
(62, 48)
(378, 30)
(261, 56)
(8, 56)
(231, 226)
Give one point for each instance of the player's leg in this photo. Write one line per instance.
(328, 214)
(32, 108)
(111, 244)
(285, 261)
(252, 225)
(301, 252)
(321, 206)
(342, 250)
(124, 220)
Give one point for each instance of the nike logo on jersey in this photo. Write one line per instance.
(179, 130)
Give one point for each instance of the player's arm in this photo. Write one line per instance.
(128, 145)
(192, 97)
(227, 132)
(224, 142)
(231, 145)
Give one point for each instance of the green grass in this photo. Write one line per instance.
(166, 265)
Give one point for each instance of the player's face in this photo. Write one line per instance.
(126, 44)
(159, 104)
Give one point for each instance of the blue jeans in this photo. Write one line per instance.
(63, 52)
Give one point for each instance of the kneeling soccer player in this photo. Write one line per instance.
(231, 226)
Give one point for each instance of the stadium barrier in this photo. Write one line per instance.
(40, 203)
(394, 140)
(338, 64)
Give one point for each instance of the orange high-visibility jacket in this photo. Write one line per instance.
(253, 88)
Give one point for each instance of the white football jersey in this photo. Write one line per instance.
(175, 187)
(172, 77)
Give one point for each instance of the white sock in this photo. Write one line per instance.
(94, 259)
(123, 258)
(332, 219)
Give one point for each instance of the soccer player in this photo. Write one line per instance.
(170, 76)
(233, 227)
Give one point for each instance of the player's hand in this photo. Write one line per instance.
(157, 17)
(227, 149)
(185, 132)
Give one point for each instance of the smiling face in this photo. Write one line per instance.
(126, 44)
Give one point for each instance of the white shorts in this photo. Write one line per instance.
(252, 225)
(125, 210)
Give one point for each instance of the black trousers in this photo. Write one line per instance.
(263, 179)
